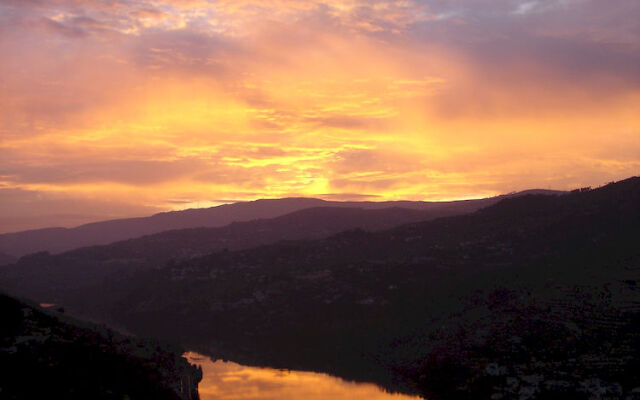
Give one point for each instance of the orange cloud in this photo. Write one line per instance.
(147, 102)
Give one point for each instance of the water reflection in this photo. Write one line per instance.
(231, 381)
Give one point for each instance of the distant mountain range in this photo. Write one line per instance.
(7, 259)
(55, 276)
(52, 277)
(533, 294)
(57, 240)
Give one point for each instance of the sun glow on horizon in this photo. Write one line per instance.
(154, 105)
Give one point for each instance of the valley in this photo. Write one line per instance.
(525, 292)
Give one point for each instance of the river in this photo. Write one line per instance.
(230, 381)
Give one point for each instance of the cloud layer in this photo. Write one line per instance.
(164, 104)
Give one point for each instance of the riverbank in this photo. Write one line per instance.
(45, 354)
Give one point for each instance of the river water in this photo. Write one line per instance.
(230, 381)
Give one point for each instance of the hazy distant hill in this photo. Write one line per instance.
(57, 240)
(50, 278)
(7, 259)
(536, 294)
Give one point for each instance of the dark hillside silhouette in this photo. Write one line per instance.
(51, 278)
(7, 259)
(48, 356)
(57, 240)
(534, 294)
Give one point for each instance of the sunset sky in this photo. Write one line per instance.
(125, 108)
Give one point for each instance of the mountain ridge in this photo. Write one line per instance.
(88, 265)
(56, 239)
(448, 307)
(459, 305)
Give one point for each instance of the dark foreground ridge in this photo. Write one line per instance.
(47, 356)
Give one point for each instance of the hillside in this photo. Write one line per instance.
(46, 355)
(57, 240)
(6, 259)
(536, 294)
(51, 278)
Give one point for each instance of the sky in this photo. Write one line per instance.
(116, 108)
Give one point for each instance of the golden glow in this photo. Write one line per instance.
(231, 381)
(170, 104)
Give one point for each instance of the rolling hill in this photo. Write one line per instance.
(50, 278)
(57, 240)
(535, 294)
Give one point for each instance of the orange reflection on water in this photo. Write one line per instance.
(230, 381)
